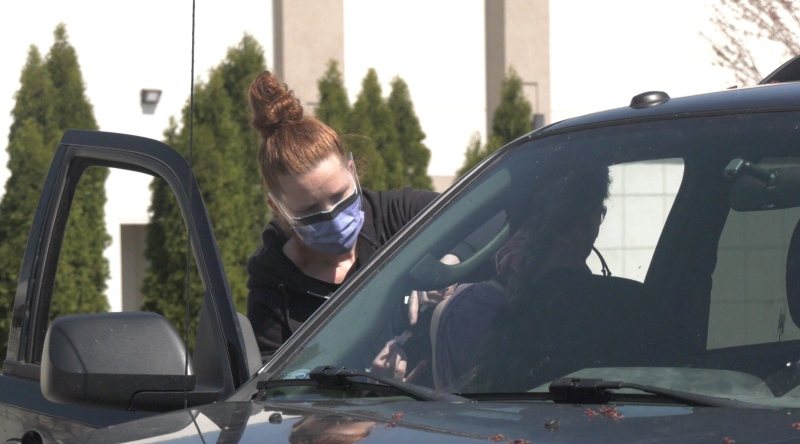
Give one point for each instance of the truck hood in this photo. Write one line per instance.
(429, 422)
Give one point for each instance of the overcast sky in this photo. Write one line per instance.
(602, 53)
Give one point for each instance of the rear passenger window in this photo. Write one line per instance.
(642, 194)
(748, 298)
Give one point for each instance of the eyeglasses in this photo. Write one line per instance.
(321, 216)
(326, 215)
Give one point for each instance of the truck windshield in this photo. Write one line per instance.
(622, 252)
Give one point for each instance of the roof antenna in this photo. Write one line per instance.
(189, 246)
(189, 237)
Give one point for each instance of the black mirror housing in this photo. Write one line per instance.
(765, 186)
(106, 359)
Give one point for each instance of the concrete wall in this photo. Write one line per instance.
(133, 265)
(518, 35)
(307, 34)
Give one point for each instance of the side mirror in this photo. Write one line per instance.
(128, 361)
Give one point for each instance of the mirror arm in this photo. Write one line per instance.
(737, 167)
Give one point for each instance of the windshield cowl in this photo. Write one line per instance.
(582, 391)
(339, 378)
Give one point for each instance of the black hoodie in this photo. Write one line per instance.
(281, 297)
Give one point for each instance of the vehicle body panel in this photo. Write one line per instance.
(765, 98)
(473, 422)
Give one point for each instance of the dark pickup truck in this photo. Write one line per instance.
(636, 279)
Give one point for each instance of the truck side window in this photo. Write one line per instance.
(641, 196)
(137, 267)
(748, 300)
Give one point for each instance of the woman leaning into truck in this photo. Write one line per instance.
(327, 226)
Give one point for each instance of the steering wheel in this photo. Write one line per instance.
(462, 218)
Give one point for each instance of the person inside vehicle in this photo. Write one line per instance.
(552, 275)
(327, 226)
(462, 320)
(462, 314)
(392, 361)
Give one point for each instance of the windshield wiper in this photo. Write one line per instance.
(340, 377)
(578, 390)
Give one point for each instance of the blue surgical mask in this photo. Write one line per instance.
(335, 232)
(332, 231)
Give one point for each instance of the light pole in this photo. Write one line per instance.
(538, 118)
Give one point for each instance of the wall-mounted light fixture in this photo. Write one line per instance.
(149, 100)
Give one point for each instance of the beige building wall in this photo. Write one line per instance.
(441, 183)
(133, 241)
(518, 35)
(307, 34)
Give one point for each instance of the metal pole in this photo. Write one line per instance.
(538, 119)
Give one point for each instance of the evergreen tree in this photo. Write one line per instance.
(334, 110)
(369, 163)
(73, 109)
(51, 99)
(511, 120)
(416, 155)
(35, 99)
(28, 159)
(372, 118)
(82, 268)
(164, 286)
(473, 154)
(334, 106)
(242, 64)
(476, 152)
(222, 147)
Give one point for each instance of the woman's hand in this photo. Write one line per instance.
(392, 362)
